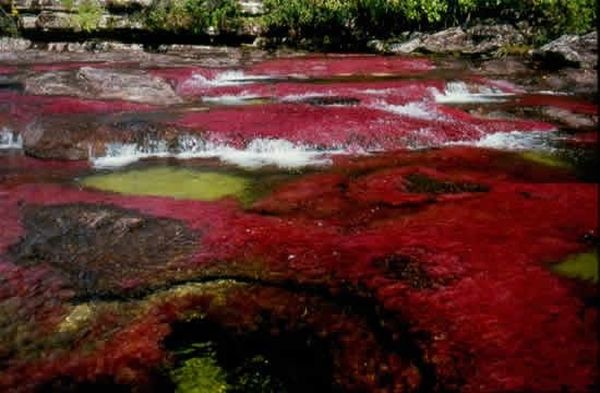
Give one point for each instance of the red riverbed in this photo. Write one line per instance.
(450, 247)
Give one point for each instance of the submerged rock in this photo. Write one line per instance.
(102, 249)
(9, 44)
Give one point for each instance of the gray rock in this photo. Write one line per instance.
(479, 39)
(378, 46)
(570, 50)
(454, 39)
(89, 82)
(47, 20)
(110, 46)
(570, 119)
(406, 47)
(8, 44)
(490, 38)
(28, 22)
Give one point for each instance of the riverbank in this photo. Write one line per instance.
(471, 27)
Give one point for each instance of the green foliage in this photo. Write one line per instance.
(333, 21)
(550, 18)
(88, 14)
(200, 375)
(68, 4)
(193, 16)
(8, 25)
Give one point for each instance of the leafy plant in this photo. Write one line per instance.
(8, 25)
(88, 15)
(335, 20)
(68, 4)
(194, 16)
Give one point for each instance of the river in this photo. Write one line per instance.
(249, 222)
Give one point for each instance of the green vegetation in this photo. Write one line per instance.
(8, 25)
(87, 13)
(332, 22)
(192, 16)
(343, 24)
(583, 266)
(172, 182)
(200, 375)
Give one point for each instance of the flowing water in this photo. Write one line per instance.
(316, 223)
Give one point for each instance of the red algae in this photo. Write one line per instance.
(4, 70)
(355, 127)
(415, 270)
(572, 104)
(23, 106)
(342, 65)
(589, 139)
(398, 91)
(39, 67)
(495, 313)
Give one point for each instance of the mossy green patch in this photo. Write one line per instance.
(173, 182)
(583, 266)
(547, 159)
(200, 375)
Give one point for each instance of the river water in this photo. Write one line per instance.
(305, 223)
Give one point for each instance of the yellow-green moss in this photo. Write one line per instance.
(200, 375)
(547, 159)
(583, 266)
(172, 182)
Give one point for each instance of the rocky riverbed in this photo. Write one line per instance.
(210, 219)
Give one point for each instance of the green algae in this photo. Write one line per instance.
(583, 266)
(179, 183)
(547, 159)
(200, 375)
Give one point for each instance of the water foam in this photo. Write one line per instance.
(515, 140)
(223, 79)
(417, 110)
(257, 153)
(238, 99)
(459, 93)
(10, 139)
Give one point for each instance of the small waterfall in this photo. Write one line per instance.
(257, 153)
(459, 93)
(417, 110)
(516, 140)
(10, 139)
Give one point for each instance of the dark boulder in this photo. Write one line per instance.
(103, 249)
(83, 138)
(570, 50)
